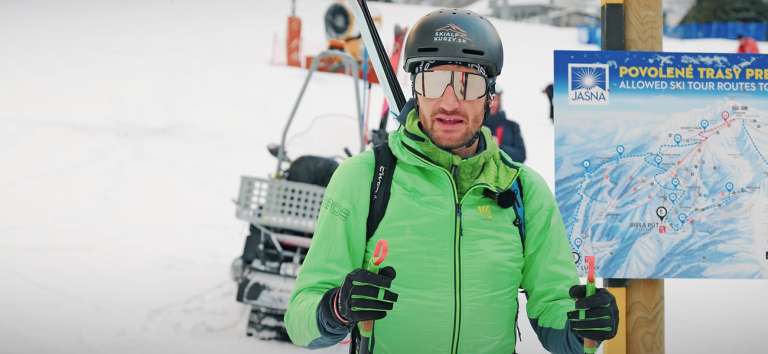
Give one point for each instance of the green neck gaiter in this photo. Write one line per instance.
(484, 167)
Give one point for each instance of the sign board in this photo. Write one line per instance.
(662, 162)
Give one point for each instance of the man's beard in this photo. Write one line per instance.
(466, 143)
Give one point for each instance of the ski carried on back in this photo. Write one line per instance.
(394, 59)
(379, 58)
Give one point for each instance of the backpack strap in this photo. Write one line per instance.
(385, 162)
(517, 190)
(517, 203)
(513, 197)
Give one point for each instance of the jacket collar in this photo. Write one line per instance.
(488, 166)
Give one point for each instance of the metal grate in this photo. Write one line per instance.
(279, 203)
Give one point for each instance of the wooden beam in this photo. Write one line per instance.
(641, 302)
(643, 21)
(645, 316)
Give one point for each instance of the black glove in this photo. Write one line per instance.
(601, 320)
(363, 296)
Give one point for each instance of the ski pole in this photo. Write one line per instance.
(590, 346)
(366, 327)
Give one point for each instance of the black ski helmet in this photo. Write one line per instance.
(454, 35)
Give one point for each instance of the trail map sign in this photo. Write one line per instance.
(662, 162)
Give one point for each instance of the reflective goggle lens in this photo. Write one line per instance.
(466, 86)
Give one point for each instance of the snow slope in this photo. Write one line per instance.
(124, 127)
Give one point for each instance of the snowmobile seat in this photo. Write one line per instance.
(310, 169)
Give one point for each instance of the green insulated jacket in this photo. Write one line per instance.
(458, 255)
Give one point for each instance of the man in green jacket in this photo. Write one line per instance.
(457, 250)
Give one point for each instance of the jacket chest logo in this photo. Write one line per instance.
(485, 212)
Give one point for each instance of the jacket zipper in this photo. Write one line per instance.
(456, 248)
(456, 265)
(458, 233)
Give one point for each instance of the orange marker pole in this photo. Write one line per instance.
(293, 39)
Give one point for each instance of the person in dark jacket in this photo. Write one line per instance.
(549, 91)
(507, 132)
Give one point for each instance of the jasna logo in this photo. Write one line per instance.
(588, 84)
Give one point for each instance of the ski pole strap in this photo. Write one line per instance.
(354, 343)
(359, 344)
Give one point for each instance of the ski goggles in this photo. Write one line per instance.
(466, 86)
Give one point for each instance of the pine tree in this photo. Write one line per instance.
(727, 11)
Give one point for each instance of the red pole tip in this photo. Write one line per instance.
(381, 251)
(590, 268)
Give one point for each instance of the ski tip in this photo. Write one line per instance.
(381, 251)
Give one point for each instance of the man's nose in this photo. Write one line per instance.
(449, 101)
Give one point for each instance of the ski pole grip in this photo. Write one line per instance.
(590, 346)
(379, 255)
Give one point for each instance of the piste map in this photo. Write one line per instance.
(662, 162)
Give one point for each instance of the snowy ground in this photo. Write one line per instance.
(124, 127)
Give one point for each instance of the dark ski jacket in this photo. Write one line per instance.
(507, 135)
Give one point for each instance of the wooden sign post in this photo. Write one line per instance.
(635, 25)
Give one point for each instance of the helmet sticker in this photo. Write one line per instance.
(451, 33)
